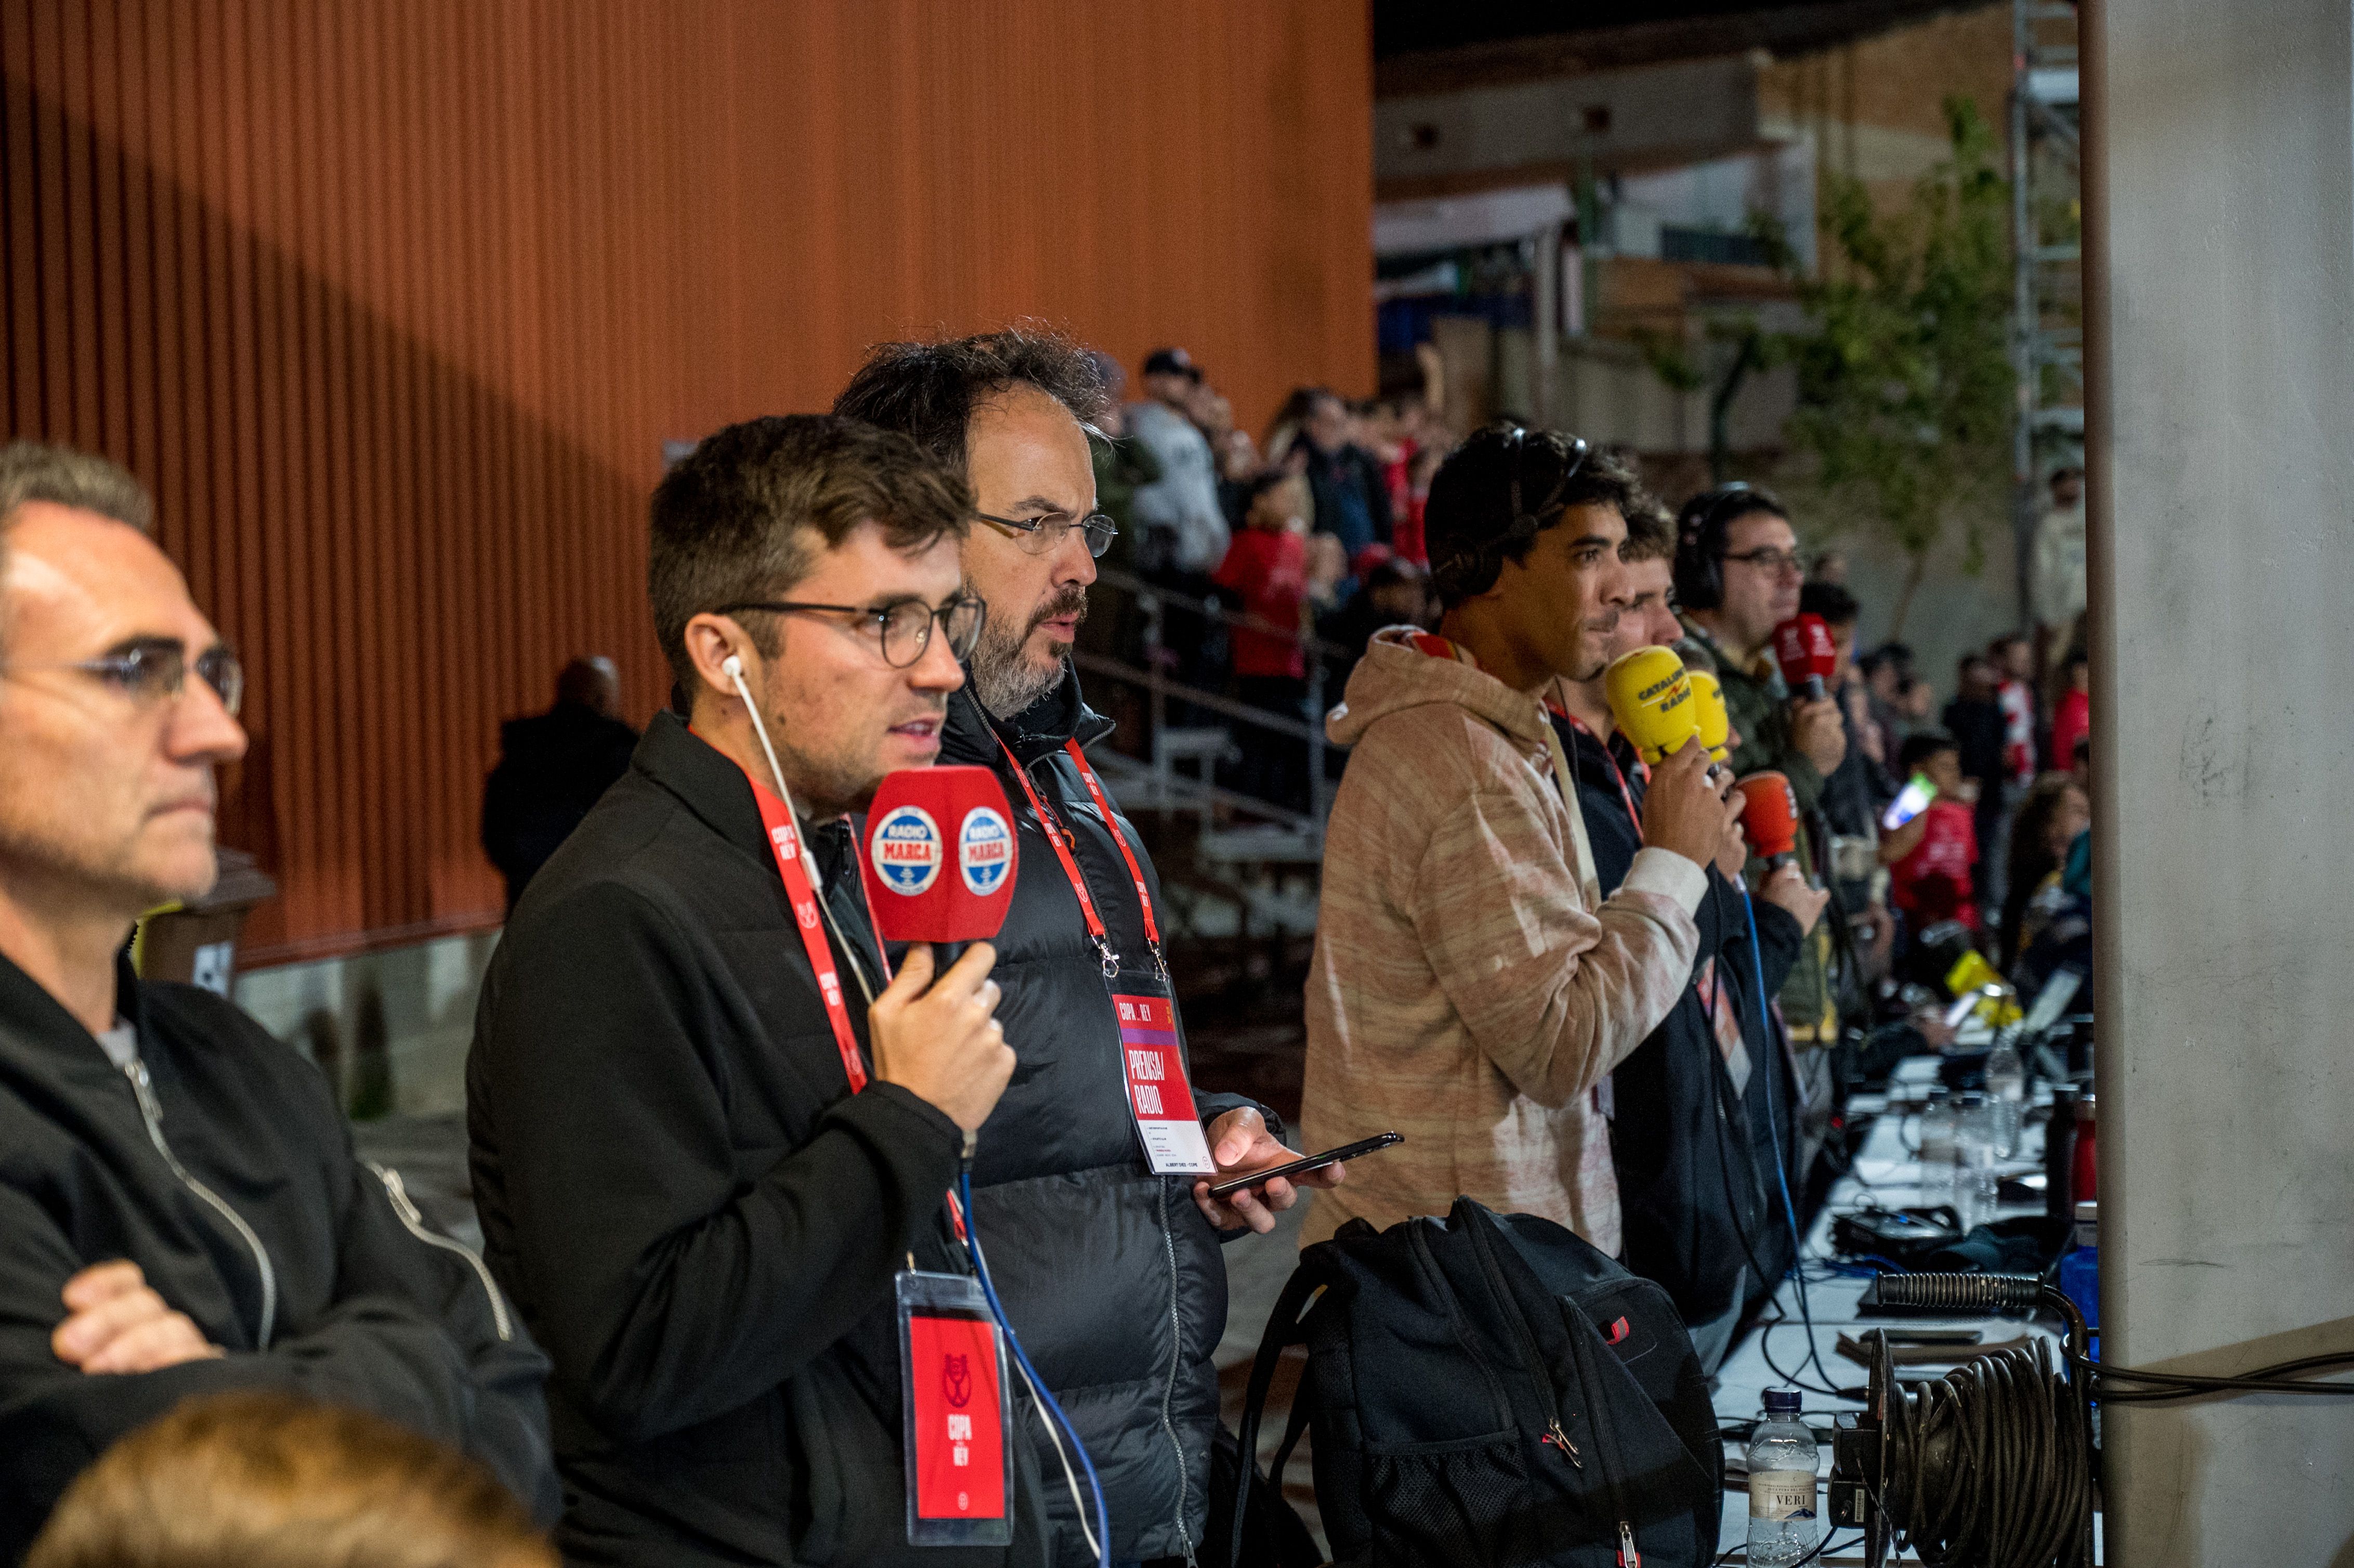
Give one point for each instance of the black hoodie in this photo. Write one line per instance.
(1698, 1191)
(220, 1164)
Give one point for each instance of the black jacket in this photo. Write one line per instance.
(552, 767)
(696, 1216)
(1111, 1275)
(319, 1286)
(1698, 1195)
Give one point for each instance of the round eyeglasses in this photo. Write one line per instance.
(152, 670)
(904, 627)
(1044, 535)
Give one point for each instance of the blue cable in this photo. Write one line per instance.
(1781, 1171)
(1037, 1384)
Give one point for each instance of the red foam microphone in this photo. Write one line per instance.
(1771, 817)
(1810, 660)
(939, 856)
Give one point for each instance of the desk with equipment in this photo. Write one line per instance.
(1932, 1361)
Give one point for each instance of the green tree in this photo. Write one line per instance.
(1906, 391)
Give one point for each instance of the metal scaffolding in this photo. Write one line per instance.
(2047, 227)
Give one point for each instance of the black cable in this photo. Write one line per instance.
(1997, 1467)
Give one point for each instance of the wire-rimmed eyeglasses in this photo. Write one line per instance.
(1044, 535)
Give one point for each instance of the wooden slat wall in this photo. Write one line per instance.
(393, 302)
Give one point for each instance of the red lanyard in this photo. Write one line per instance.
(1626, 796)
(785, 843)
(1055, 835)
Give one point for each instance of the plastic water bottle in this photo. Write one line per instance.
(1975, 1184)
(2006, 1086)
(2080, 1270)
(1940, 1133)
(1782, 1462)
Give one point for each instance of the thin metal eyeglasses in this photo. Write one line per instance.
(1044, 535)
(1768, 559)
(904, 627)
(152, 671)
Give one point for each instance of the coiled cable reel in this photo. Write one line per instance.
(1992, 1464)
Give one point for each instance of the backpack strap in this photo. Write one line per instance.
(1282, 1329)
(1301, 1409)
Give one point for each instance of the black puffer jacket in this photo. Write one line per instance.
(1111, 1275)
(1698, 1192)
(310, 1272)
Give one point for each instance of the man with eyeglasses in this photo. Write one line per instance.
(711, 1133)
(180, 1210)
(1738, 575)
(1091, 1182)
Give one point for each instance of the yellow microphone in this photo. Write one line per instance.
(1651, 700)
(1715, 723)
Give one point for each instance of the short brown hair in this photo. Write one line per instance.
(733, 520)
(928, 390)
(261, 1479)
(1650, 530)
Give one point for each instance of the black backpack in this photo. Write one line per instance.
(1490, 1390)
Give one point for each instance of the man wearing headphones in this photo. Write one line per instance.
(1737, 577)
(712, 1139)
(1471, 987)
(1738, 574)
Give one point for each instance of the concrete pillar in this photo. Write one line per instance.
(2219, 272)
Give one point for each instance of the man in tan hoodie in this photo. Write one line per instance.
(1470, 988)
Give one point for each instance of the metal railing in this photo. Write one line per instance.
(1153, 601)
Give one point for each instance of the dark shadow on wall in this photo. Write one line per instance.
(403, 554)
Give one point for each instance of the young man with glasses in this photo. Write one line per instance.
(709, 1128)
(1738, 576)
(1101, 1236)
(1471, 987)
(180, 1210)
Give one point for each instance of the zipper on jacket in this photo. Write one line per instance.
(1628, 1556)
(151, 1113)
(1176, 1361)
(414, 1223)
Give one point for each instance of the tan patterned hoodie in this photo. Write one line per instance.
(1465, 992)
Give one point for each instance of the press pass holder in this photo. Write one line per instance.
(957, 1407)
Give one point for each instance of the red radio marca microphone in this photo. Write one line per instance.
(1771, 817)
(1810, 661)
(941, 855)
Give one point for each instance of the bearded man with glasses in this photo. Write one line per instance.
(1101, 1234)
(180, 1210)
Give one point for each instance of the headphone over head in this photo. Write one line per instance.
(1467, 576)
(1700, 540)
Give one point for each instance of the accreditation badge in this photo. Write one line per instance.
(956, 1409)
(1158, 1096)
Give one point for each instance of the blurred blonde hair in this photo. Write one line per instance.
(266, 1480)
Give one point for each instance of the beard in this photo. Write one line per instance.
(1006, 678)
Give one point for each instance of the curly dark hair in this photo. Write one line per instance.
(930, 390)
(1471, 526)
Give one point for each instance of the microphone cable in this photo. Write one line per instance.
(1781, 1166)
(1100, 1538)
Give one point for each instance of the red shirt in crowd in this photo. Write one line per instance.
(1269, 569)
(2071, 722)
(1932, 883)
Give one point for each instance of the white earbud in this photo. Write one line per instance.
(733, 665)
